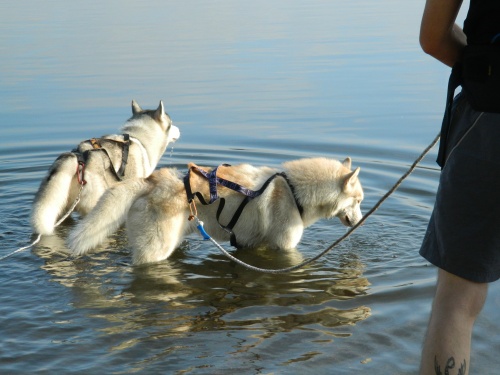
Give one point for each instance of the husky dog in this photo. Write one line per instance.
(97, 164)
(156, 209)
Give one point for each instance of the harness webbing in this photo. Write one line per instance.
(126, 146)
(214, 180)
(96, 146)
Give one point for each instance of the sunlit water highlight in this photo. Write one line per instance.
(256, 82)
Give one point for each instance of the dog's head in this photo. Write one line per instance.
(349, 209)
(160, 117)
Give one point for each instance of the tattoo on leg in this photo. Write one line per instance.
(437, 369)
(463, 368)
(450, 364)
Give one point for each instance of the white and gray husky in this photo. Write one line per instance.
(99, 163)
(277, 206)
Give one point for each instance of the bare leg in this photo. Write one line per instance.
(456, 306)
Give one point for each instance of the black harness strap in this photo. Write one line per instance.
(96, 146)
(126, 146)
(212, 186)
(249, 194)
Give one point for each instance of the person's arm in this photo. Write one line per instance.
(440, 36)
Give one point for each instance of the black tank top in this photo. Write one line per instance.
(482, 24)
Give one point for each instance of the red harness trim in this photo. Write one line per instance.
(80, 173)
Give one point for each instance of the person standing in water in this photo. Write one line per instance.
(463, 235)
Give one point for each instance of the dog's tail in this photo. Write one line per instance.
(107, 216)
(55, 194)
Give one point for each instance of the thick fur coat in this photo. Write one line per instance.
(156, 209)
(97, 162)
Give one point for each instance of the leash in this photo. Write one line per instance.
(206, 236)
(80, 171)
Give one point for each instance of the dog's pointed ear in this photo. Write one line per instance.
(350, 179)
(136, 108)
(347, 163)
(159, 112)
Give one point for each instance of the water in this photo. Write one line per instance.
(259, 82)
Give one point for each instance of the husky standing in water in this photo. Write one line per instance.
(99, 163)
(259, 206)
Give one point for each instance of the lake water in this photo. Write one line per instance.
(261, 82)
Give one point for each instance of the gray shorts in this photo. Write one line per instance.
(463, 236)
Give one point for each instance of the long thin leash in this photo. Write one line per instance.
(80, 175)
(39, 237)
(206, 236)
(249, 266)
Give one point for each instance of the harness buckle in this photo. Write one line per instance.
(95, 143)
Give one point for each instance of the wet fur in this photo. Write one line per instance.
(150, 132)
(155, 209)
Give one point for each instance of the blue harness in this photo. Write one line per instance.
(214, 180)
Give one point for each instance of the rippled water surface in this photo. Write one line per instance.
(260, 82)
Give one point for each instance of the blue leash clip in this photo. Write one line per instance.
(202, 230)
